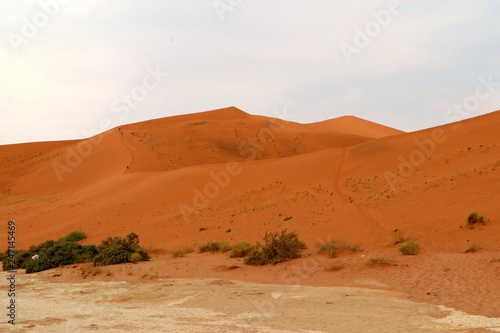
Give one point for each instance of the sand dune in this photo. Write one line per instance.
(344, 178)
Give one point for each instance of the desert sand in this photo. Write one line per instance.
(346, 179)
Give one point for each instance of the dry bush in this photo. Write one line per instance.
(474, 218)
(242, 249)
(225, 246)
(88, 269)
(335, 266)
(333, 247)
(409, 248)
(278, 247)
(155, 250)
(181, 252)
(399, 237)
(210, 246)
(474, 248)
(379, 259)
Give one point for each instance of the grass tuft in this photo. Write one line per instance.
(379, 259)
(333, 247)
(409, 248)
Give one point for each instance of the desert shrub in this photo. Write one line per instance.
(224, 246)
(409, 248)
(474, 248)
(475, 218)
(155, 250)
(135, 258)
(66, 252)
(59, 254)
(3, 255)
(89, 269)
(287, 218)
(335, 266)
(332, 247)
(278, 247)
(210, 246)
(400, 237)
(379, 259)
(242, 249)
(117, 250)
(181, 252)
(74, 236)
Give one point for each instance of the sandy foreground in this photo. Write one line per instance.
(219, 305)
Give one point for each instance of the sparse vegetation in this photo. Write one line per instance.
(242, 249)
(52, 254)
(474, 248)
(228, 230)
(155, 250)
(181, 252)
(288, 218)
(335, 266)
(210, 246)
(225, 246)
(74, 236)
(379, 259)
(201, 229)
(409, 248)
(116, 250)
(88, 269)
(332, 247)
(278, 247)
(474, 218)
(400, 237)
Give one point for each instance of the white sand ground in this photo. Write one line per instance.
(214, 305)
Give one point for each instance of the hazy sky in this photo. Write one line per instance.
(73, 67)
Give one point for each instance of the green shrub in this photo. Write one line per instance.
(135, 258)
(65, 251)
(228, 230)
(51, 254)
(60, 254)
(409, 248)
(475, 218)
(117, 250)
(242, 249)
(278, 247)
(288, 218)
(74, 236)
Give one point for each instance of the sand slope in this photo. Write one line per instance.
(239, 176)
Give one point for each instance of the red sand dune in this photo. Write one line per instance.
(136, 178)
(344, 178)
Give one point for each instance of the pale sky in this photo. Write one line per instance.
(69, 66)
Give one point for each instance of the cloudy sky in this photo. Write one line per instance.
(70, 68)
